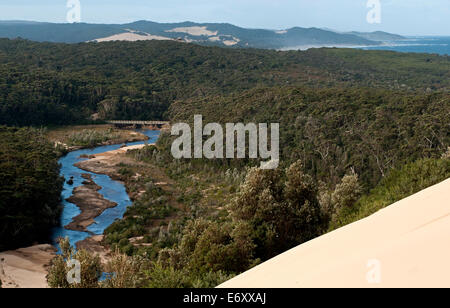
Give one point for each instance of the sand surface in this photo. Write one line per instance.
(132, 37)
(105, 163)
(196, 31)
(94, 245)
(26, 267)
(91, 203)
(404, 245)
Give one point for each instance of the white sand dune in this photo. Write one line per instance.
(214, 38)
(231, 42)
(132, 37)
(196, 31)
(404, 245)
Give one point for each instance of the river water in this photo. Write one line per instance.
(111, 190)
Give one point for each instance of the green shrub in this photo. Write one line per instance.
(91, 268)
(91, 137)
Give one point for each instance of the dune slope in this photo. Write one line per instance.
(404, 245)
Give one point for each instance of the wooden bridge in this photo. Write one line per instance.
(138, 124)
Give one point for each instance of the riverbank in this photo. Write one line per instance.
(106, 163)
(90, 204)
(89, 200)
(73, 138)
(26, 267)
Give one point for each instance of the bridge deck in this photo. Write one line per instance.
(125, 122)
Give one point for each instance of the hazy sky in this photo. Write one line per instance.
(408, 17)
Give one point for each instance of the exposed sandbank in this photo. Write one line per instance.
(91, 203)
(26, 267)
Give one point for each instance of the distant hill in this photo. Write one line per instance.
(216, 34)
(56, 33)
(378, 36)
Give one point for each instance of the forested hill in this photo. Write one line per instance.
(213, 34)
(52, 83)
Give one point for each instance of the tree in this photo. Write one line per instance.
(304, 219)
(281, 210)
(212, 246)
(125, 271)
(90, 272)
(346, 193)
(446, 155)
(259, 196)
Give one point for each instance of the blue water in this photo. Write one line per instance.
(438, 45)
(111, 190)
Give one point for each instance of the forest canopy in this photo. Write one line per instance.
(335, 129)
(30, 190)
(56, 84)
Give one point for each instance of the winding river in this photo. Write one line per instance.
(111, 190)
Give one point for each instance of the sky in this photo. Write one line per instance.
(406, 17)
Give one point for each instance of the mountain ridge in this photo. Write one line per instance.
(216, 34)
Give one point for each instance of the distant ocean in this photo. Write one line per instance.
(437, 45)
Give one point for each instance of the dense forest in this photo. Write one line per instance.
(334, 129)
(30, 190)
(54, 84)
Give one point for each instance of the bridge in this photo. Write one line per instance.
(138, 124)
